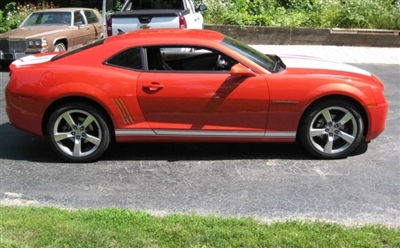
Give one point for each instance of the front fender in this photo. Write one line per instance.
(361, 93)
(291, 99)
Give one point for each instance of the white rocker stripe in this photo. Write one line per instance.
(205, 133)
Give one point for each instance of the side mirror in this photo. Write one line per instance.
(202, 7)
(241, 71)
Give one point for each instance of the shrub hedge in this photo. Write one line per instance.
(370, 14)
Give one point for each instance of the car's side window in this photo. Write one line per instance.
(130, 59)
(187, 58)
(78, 19)
(91, 17)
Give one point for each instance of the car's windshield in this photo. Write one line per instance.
(263, 60)
(48, 18)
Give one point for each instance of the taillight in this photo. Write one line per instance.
(108, 25)
(182, 22)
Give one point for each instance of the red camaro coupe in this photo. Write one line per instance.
(191, 86)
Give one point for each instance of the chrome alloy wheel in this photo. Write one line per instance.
(77, 133)
(59, 46)
(333, 130)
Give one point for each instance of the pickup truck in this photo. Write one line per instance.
(144, 14)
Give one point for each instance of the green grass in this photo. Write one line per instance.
(53, 227)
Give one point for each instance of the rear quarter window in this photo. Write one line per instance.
(91, 17)
(130, 59)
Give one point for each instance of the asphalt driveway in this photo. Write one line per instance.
(266, 181)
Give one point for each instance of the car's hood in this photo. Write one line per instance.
(33, 32)
(312, 65)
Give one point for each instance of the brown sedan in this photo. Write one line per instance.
(51, 30)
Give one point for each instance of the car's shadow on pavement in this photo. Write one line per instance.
(17, 145)
(204, 151)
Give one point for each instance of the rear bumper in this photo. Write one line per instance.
(22, 113)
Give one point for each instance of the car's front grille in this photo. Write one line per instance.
(12, 45)
(8, 56)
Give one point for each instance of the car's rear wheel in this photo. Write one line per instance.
(78, 132)
(332, 129)
(59, 46)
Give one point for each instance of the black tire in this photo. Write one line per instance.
(4, 65)
(332, 129)
(78, 132)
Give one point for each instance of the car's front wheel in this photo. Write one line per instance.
(332, 129)
(78, 132)
(59, 46)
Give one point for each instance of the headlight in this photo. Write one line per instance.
(37, 44)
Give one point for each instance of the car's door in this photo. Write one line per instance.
(95, 25)
(194, 95)
(84, 33)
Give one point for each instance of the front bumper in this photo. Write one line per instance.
(11, 56)
(6, 55)
(378, 116)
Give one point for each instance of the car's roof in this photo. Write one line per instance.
(167, 34)
(62, 9)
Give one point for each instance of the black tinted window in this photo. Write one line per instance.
(129, 59)
(151, 4)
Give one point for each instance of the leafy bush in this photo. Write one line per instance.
(379, 14)
(14, 14)
(240, 12)
(368, 14)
